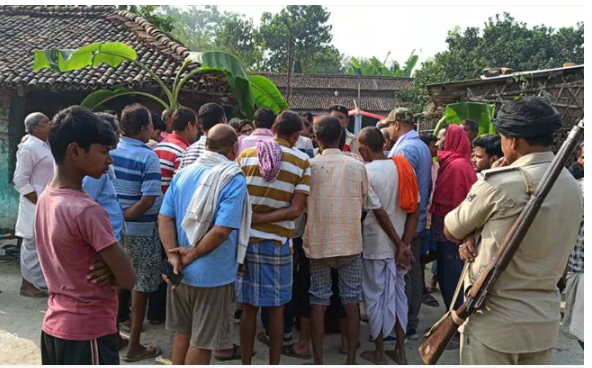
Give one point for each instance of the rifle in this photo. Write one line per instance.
(441, 333)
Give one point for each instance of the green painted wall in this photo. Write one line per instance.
(8, 196)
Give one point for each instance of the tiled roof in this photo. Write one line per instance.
(338, 81)
(24, 29)
(318, 102)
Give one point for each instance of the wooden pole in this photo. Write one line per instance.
(289, 83)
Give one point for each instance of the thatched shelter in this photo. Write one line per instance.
(563, 87)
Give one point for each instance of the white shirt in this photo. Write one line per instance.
(384, 180)
(34, 170)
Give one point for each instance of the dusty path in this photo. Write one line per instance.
(20, 323)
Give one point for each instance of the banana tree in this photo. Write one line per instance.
(250, 91)
(480, 112)
(374, 67)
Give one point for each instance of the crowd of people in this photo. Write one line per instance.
(201, 222)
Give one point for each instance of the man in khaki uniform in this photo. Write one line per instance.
(520, 321)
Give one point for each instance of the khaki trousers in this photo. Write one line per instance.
(473, 352)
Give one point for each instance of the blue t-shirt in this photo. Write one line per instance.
(419, 156)
(219, 267)
(103, 192)
(137, 174)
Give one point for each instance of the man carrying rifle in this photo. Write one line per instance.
(520, 321)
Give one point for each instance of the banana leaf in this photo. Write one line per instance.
(479, 112)
(65, 60)
(266, 94)
(97, 98)
(410, 64)
(235, 73)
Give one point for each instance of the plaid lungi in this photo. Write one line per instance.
(267, 280)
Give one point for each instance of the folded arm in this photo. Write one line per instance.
(290, 213)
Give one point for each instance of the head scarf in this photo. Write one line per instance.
(269, 154)
(456, 174)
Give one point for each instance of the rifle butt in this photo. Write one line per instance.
(435, 344)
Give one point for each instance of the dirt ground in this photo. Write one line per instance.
(21, 318)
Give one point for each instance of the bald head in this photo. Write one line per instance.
(222, 139)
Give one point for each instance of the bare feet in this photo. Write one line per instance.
(398, 355)
(30, 291)
(374, 357)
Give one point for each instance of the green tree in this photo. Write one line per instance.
(311, 40)
(149, 12)
(237, 35)
(195, 26)
(503, 42)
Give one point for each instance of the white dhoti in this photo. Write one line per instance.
(573, 321)
(383, 287)
(30, 267)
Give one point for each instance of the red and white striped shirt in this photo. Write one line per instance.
(169, 152)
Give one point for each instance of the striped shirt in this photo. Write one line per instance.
(169, 153)
(294, 177)
(137, 175)
(192, 153)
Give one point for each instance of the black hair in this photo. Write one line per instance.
(532, 108)
(342, 139)
(76, 124)
(182, 117)
(287, 123)
(342, 109)
(111, 119)
(133, 118)
(234, 124)
(308, 115)
(209, 115)
(264, 118)
(372, 138)
(492, 144)
(444, 127)
(473, 126)
(110, 112)
(328, 129)
(244, 122)
(428, 138)
(158, 123)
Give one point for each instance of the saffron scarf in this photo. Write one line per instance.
(408, 187)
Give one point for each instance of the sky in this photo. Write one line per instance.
(368, 31)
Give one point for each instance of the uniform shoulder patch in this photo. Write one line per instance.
(491, 172)
(471, 197)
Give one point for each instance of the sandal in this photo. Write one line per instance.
(236, 354)
(288, 350)
(430, 301)
(151, 352)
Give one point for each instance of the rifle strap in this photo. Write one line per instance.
(456, 319)
(459, 286)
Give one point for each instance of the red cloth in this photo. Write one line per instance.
(408, 187)
(456, 175)
(70, 231)
(169, 153)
